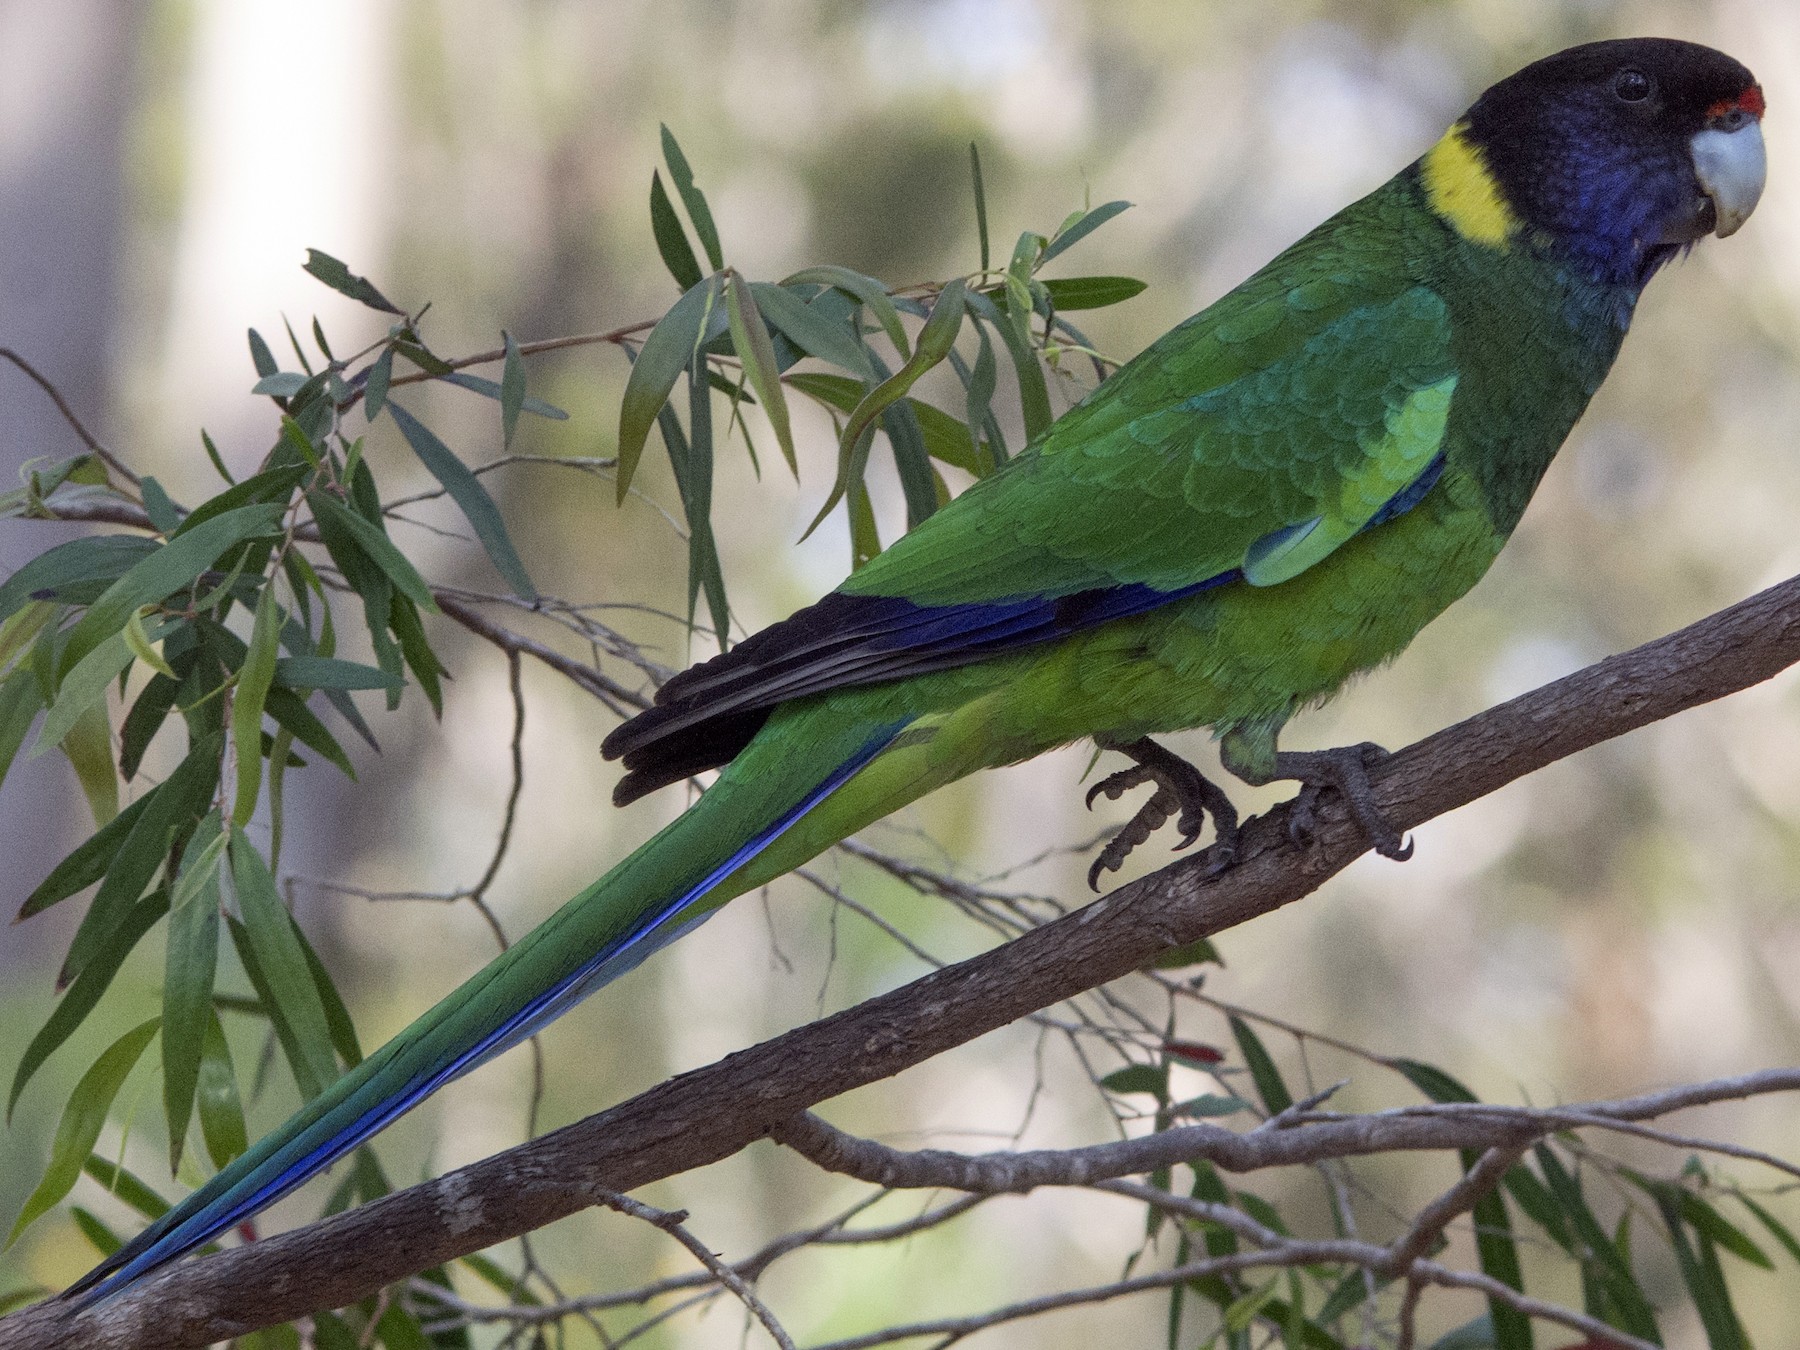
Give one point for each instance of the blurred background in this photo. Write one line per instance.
(1621, 921)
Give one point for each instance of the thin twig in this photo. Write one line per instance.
(88, 438)
(672, 1222)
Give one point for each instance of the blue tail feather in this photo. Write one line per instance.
(240, 1190)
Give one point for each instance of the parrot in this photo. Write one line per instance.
(1276, 495)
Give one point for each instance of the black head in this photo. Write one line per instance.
(1620, 154)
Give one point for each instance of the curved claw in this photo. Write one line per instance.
(1182, 792)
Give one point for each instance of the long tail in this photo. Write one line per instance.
(663, 890)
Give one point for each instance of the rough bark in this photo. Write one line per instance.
(708, 1114)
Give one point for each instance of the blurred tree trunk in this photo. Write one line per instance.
(65, 95)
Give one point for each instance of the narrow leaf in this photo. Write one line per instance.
(189, 966)
(174, 565)
(1093, 292)
(693, 199)
(88, 747)
(341, 279)
(859, 287)
(79, 1129)
(221, 1110)
(750, 339)
(376, 545)
(512, 388)
(375, 388)
(247, 706)
(324, 672)
(809, 330)
(666, 353)
(74, 1006)
(283, 966)
(1274, 1093)
(466, 491)
(671, 239)
(981, 221)
(935, 341)
(260, 355)
(1081, 229)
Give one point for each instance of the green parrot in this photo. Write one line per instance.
(1274, 496)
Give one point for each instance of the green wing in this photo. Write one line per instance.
(1259, 435)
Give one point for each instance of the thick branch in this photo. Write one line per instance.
(681, 1124)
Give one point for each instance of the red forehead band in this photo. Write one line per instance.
(1750, 101)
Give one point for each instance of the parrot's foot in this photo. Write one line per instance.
(1345, 769)
(1180, 788)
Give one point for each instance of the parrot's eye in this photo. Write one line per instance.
(1633, 86)
(1732, 120)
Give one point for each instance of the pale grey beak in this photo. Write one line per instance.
(1731, 167)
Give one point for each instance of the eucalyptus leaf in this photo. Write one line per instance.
(189, 964)
(82, 1120)
(666, 353)
(341, 279)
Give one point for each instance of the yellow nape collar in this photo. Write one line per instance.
(1462, 191)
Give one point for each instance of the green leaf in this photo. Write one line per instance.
(935, 341)
(750, 339)
(64, 572)
(324, 672)
(337, 1016)
(946, 439)
(1199, 952)
(175, 565)
(1240, 1315)
(1707, 1220)
(981, 221)
(85, 685)
(260, 355)
(487, 388)
(419, 656)
(375, 388)
(691, 197)
(666, 353)
(1274, 1093)
(375, 544)
(88, 747)
(1777, 1229)
(1698, 1262)
(466, 491)
(127, 1186)
(512, 388)
(858, 287)
(984, 378)
(1034, 393)
(1093, 292)
(18, 632)
(183, 799)
(163, 513)
(221, 1110)
(143, 648)
(283, 968)
(189, 966)
(1432, 1081)
(1081, 229)
(21, 698)
(341, 279)
(282, 384)
(253, 683)
(88, 862)
(1633, 1310)
(810, 330)
(1151, 1078)
(671, 239)
(1210, 1104)
(79, 1129)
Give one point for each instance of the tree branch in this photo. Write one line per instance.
(679, 1125)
